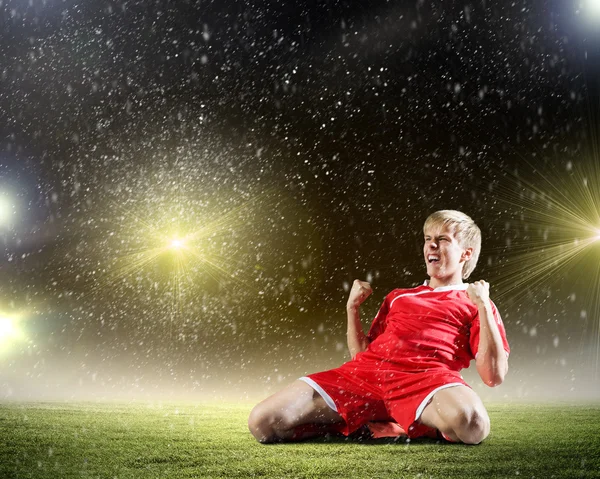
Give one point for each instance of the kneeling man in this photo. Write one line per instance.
(404, 376)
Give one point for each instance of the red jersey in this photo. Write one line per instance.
(423, 328)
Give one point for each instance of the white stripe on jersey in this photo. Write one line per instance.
(452, 287)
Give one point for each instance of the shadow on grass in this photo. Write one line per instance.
(367, 440)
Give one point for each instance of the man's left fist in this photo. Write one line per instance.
(479, 292)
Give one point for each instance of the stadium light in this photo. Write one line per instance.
(592, 7)
(11, 334)
(7, 208)
(7, 328)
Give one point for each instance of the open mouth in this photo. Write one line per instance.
(433, 258)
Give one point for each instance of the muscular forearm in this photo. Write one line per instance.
(491, 362)
(357, 340)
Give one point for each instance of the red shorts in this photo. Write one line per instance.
(361, 393)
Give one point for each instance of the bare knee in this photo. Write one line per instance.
(261, 423)
(269, 424)
(278, 417)
(471, 425)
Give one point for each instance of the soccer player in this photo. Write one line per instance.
(404, 375)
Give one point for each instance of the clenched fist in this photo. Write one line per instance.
(479, 292)
(360, 291)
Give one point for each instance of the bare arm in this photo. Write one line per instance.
(491, 361)
(357, 339)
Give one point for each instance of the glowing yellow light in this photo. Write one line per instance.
(558, 227)
(179, 251)
(8, 330)
(177, 243)
(10, 333)
(6, 327)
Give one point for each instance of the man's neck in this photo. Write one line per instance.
(438, 283)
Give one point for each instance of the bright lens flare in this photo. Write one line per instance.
(6, 328)
(176, 254)
(9, 332)
(177, 244)
(553, 237)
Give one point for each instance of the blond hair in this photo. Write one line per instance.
(465, 230)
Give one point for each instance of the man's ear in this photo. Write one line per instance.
(467, 254)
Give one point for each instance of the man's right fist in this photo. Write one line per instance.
(360, 291)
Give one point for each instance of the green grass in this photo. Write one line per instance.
(182, 440)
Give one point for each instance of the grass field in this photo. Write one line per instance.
(182, 440)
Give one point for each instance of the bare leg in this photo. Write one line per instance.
(294, 413)
(459, 413)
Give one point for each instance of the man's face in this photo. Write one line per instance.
(444, 256)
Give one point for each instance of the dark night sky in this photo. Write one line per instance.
(313, 138)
